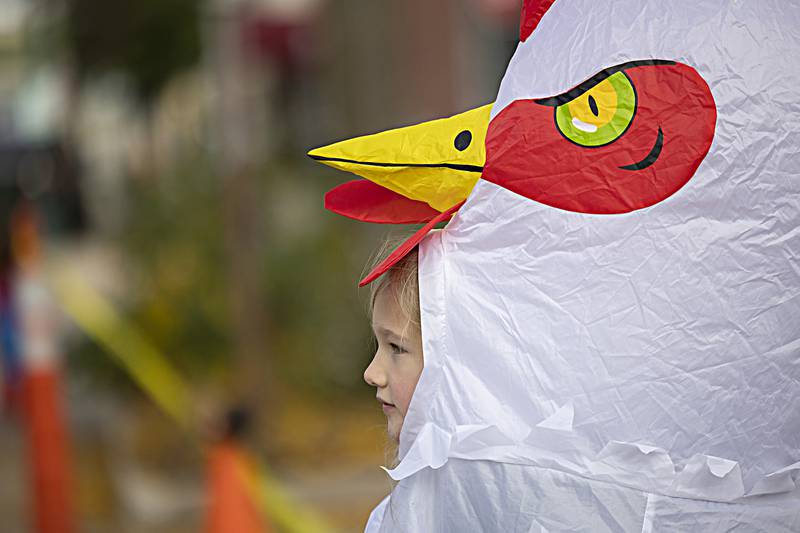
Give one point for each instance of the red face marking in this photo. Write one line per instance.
(532, 13)
(549, 151)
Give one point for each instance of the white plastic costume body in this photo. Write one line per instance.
(630, 372)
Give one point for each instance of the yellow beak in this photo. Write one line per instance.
(436, 162)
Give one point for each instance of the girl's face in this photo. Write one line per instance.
(397, 364)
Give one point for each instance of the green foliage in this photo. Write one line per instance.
(175, 249)
(320, 330)
(175, 270)
(318, 339)
(149, 41)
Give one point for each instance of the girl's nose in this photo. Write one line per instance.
(374, 374)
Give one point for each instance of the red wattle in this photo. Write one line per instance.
(369, 202)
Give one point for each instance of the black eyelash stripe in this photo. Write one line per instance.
(561, 99)
(454, 166)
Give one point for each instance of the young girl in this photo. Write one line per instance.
(398, 361)
(397, 364)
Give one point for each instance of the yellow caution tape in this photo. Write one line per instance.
(130, 348)
(280, 508)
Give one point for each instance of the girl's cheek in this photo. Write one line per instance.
(404, 393)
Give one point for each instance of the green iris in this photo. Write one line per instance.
(600, 115)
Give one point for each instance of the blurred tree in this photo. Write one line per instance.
(149, 41)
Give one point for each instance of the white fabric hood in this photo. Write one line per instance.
(656, 349)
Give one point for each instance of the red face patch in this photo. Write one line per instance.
(532, 13)
(626, 139)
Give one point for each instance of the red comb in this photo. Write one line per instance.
(408, 245)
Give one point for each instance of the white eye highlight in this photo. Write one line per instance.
(583, 126)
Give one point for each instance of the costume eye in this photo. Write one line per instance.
(601, 114)
(463, 140)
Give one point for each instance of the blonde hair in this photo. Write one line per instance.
(401, 279)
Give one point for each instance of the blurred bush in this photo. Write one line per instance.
(149, 41)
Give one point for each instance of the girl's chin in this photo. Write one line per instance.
(393, 429)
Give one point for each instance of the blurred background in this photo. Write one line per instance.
(169, 282)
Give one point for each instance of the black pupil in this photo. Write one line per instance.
(593, 106)
(462, 140)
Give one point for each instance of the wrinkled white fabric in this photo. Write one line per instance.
(375, 519)
(483, 496)
(588, 371)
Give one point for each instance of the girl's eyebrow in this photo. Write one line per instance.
(386, 332)
(391, 335)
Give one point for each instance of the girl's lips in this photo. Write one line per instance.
(386, 405)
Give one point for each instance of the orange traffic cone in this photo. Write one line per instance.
(232, 505)
(231, 481)
(43, 412)
(48, 456)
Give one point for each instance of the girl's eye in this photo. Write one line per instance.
(396, 348)
(600, 115)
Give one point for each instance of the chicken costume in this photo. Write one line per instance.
(611, 316)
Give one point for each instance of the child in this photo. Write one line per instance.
(397, 364)
(398, 361)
